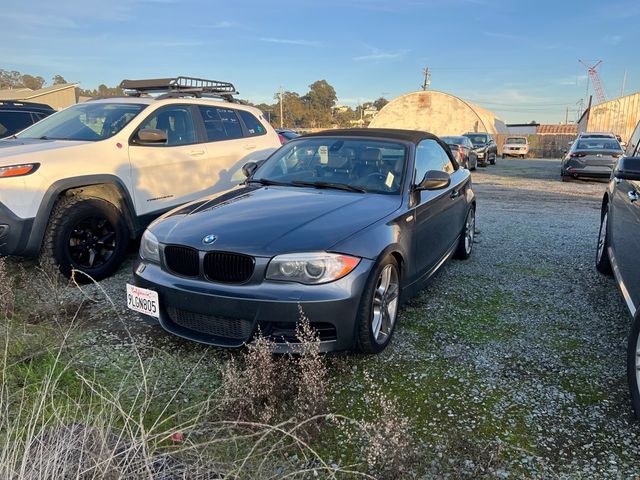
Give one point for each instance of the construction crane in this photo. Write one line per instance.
(595, 79)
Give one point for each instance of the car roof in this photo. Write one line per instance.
(413, 136)
(17, 105)
(474, 133)
(177, 100)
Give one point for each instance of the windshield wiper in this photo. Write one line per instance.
(337, 186)
(264, 181)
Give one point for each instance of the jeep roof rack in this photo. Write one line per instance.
(180, 87)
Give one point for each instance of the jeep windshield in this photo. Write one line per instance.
(84, 122)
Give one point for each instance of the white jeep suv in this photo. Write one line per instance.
(77, 186)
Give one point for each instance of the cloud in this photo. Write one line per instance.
(504, 36)
(574, 80)
(613, 39)
(33, 20)
(287, 41)
(224, 24)
(380, 55)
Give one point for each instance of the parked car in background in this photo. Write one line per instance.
(591, 157)
(619, 247)
(286, 135)
(463, 151)
(485, 147)
(515, 147)
(16, 116)
(342, 225)
(78, 185)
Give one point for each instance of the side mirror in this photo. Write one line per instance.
(434, 180)
(628, 168)
(151, 135)
(249, 168)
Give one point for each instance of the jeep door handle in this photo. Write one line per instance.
(454, 194)
(196, 153)
(633, 196)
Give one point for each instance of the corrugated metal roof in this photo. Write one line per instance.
(571, 129)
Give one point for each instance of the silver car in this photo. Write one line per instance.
(593, 157)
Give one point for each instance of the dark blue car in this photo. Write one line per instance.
(344, 225)
(618, 251)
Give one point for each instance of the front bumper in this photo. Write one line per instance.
(14, 232)
(230, 315)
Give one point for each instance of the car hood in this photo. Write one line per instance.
(268, 221)
(13, 147)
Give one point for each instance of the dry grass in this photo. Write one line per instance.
(57, 421)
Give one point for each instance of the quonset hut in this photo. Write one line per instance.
(439, 113)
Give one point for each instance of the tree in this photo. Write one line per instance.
(379, 103)
(58, 80)
(29, 81)
(10, 79)
(344, 117)
(319, 101)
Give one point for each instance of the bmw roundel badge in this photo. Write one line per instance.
(209, 239)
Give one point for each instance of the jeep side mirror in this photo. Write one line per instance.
(628, 168)
(152, 135)
(249, 168)
(434, 180)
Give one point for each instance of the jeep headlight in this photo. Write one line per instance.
(149, 247)
(310, 268)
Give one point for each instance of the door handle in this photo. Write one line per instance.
(633, 196)
(250, 146)
(454, 194)
(196, 153)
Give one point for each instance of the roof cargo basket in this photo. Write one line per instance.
(180, 87)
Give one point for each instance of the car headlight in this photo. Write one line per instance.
(149, 248)
(310, 268)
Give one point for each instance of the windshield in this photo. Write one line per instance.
(346, 163)
(86, 121)
(598, 144)
(453, 140)
(477, 139)
(516, 141)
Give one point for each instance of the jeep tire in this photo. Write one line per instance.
(88, 234)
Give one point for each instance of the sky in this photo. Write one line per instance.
(516, 58)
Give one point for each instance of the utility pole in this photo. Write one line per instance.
(281, 109)
(566, 117)
(427, 79)
(624, 83)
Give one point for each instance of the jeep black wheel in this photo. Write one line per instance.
(86, 234)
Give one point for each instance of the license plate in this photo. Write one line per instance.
(143, 300)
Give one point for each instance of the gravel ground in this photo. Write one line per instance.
(510, 364)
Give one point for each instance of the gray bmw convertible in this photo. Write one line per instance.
(344, 225)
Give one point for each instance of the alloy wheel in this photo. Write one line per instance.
(92, 242)
(602, 238)
(385, 304)
(469, 231)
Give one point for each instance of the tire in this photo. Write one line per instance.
(603, 262)
(565, 178)
(465, 245)
(503, 156)
(87, 234)
(633, 364)
(371, 336)
(492, 160)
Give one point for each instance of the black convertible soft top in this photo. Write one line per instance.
(413, 136)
